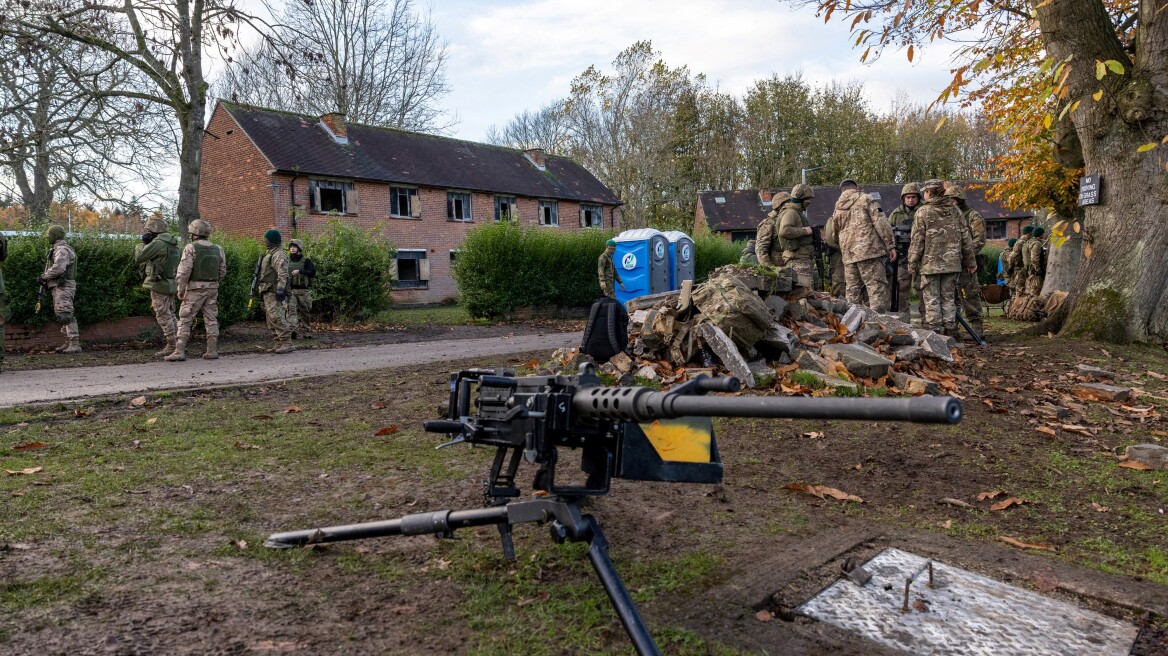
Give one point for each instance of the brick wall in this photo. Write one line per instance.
(234, 191)
(26, 338)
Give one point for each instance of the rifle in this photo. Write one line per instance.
(44, 288)
(622, 432)
(255, 282)
(819, 250)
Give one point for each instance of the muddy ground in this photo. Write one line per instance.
(142, 532)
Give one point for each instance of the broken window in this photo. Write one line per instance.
(506, 209)
(332, 197)
(591, 216)
(411, 269)
(549, 213)
(457, 206)
(996, 229)
(403, 203)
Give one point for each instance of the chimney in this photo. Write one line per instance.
(538, 156)
(335, 124)
(765, 196)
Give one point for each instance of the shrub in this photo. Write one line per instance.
(989, 275)
(241, 254)
(712, 251)
(353, 271)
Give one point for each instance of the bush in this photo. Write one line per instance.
(353, 272)
(241, 254)
(989, 276)
(712, 251)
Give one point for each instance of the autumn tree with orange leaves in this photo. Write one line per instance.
(1078, 86)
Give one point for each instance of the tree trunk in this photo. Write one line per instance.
(189, 162)
(1119, 292)
(1062, 262)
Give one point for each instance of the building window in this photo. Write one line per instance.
(454, 257)
(403, 203)
(741, 235)
(457, 206)
(591, 216)
(332, 197)
(549, 213)
(996, 229)
(506, 209)
(411, 269)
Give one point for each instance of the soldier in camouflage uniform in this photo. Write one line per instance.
(941, 248)
(748, 256)
(766, 236)
(303, 272)
(5, 313)
(60, 276)
(865, 239)
(606, 271)
(1004, 259)
(968, 287)
(200, 269)
(910, 199)
(1018, 263)
(157, 258)
(273, 289)
(1036, 262)
(835, 260)
(794, 234)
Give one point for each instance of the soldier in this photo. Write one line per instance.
(157, 258)
(606, 270)
(273, 289)
(60, 277)
(1036, 262)
(865, 239)
(940, 249)
(1018, 264)
(766, 238)
(910, 199)
(835, 259)
(1004, 260)
(200, 269)
(748, 256)
(300, 303)
(5, 313)
(969, 289)
(794, 234)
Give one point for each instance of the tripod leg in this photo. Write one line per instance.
(622, 602)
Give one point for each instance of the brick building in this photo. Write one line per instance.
(736, 214)
(422, 191)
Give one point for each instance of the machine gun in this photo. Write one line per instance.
(621, 432)
(901, 238)
(255, 282)
(820, 253)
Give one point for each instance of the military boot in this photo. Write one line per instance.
(284, 347)
(72, 347)
(180, 352)
(64, 346)
(166, 350)
(212, 352)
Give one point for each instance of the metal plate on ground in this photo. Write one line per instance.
(963, 613)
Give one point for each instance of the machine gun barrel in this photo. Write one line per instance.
(442, 522)
(641, 404)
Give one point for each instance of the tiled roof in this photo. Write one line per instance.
(742, 210)
(299, 143)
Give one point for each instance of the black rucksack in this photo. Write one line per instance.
(607, 332)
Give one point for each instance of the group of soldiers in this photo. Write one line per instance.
(938, 255)
(1023, 266)
(282, 279)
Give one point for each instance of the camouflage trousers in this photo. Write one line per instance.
(300, 310)
(205, 299)
(804, 268)
(1034, 285)
(905, 284)
(969, 290)
(63, 295)
(608, 290)
(939, 298)
(868, 274)
(163, 305)
(277, 317)
(839, 285)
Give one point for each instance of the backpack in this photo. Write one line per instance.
(607, 332)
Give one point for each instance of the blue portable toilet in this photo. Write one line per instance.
(642, 260)
(681, 258)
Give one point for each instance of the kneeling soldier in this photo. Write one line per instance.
(201, 268)
(60, 277)
(273, 289)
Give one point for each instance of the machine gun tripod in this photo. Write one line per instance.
(621, 432)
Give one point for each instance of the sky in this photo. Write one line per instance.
(506, 56)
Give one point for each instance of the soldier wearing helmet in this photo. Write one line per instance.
(968, 287)
(795, 235)
(300, 277)
(865, 238)
(901, 220)
(200, 269)
(60, 276)
(767, 250)
(157, 259)
(940, 250)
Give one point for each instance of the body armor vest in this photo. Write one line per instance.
(206, 266)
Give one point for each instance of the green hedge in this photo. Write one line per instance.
(990, 275)
(353, 272)
(712, 251)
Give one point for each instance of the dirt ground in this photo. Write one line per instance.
(142, 533)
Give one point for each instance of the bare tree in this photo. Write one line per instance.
(64, 124)
(377, 64)
(543, 128)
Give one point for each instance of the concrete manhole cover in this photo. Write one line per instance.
(963, 613)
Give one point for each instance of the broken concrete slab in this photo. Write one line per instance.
(777, 305)
(763, 373)
(1152, 455)
(778, 340)
(901, 339)
(621, 362)
(832, 382)
(1101, 392)
(727, 352)
(651, 300)
(638, 317)
(853, 318)
(813, 333)
(809, 361)
(647, 372)
(1095, 372)
(938, 345)
(913, 384)
(870, 335)
(840, 307)
(1055, 411)
(860, 360)
(911, 353)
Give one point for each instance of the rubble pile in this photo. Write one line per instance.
(756, 324)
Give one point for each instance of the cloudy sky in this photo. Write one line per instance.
(510, 55)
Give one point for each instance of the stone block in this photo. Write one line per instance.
(913, 384)
(777, 306)
(1101, 392)
(621, 362)
(1152, 455)
(647, 372)
(638, 317)
(902, 339)
(727, 352)
(840, 307)
(861, 360)
(911, 353)
(809, 361)
(1095, 372)
(821, 304)
(763, 373)
(651, 300)
(831, 382)
(778, 340)
(853, 318)
(938, 345)
(870, 335)
(813, 333)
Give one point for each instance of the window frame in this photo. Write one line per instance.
(554, 215)
(596, 209)
(412, 196)
(348, 189)
(467, 199)
(512, 202)
(418, 255)
(999, 225)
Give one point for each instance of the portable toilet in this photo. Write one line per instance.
(681, 258)
(642, 261)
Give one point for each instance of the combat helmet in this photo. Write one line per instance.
(955, 191)
(910, 188)
(802, 192)
(199, 228)
(156, 224)
(779, 199)
(933, 185)
(54, 233)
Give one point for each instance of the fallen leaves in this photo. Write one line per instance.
(955, 502)
(138, 402)
(29, 445)
(764, 615)
(1027, 545)
(292, 408)
(1130, 464)
(989, 496)
(245, 445)
(1099, 508)
(24, 472)
(151, 421)
(1047, 430)
(539, 596)
(822, 491)
(1008, 502)
(811, 435)
(377, 405)
(388, 430)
